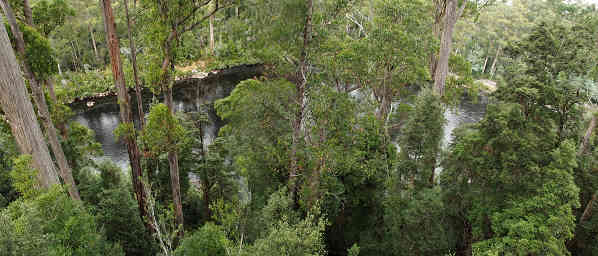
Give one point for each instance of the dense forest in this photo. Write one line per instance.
(298, 127)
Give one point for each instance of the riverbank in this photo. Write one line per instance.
(206, 80)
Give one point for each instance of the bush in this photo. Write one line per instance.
(52, 224)
(209, 240)
(118, 213)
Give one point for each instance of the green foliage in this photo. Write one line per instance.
(541, 74)
(124, 131)
(108, 196)
(285, 233)
(209, 240)
(415, 222)
(259, 148)
(8, 152)
(421, 138)
(49, 14)
(353, 251)
(24, 177)
(118, 213)
(80, 146)
(163, 132)
(541, 223)
(81, 85)
(39, 54)
(52, 224)
(532, 212)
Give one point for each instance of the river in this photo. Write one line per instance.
(104, 118)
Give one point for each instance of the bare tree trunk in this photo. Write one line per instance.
(204, 178)
(300, 88)
(583, 147)
(93, 43)
(15, 103)
(61, 126)
(125, 111)
(465, 241)
(42, 106)
(168, 68)
(135, 68)
(173, 162)
(75, 57)
(28, 13)
(484, 67)
(493, 68)
(384, 97)
(51, 91)
(212, 34)
(452, 13)
(437, 30)
(586, 138)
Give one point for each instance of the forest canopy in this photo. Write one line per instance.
(298, 127)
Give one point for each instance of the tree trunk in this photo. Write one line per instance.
(493, 68)
(173, 162)
(51, 91)
(587, 213)
(168, 69)
(15, 103)
(586, 138)
(452, 13)
(75, 58)
(42, 106)
(93, 43)
(437, 30)
(135, 68)
(28, 13)
(212, 34)
(465, 241)
(61, 126)
(204, 178)
(300, 88)
(125, 111)
(484, 67)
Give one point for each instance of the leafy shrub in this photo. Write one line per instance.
(52, 224)
(209, 240)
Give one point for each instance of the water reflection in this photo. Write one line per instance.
(104, 119)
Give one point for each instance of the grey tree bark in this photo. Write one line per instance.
(493, 68)
(15, 103)
(27, 12)
(452, 11)
(484, 67)
(43, 112)
(212, 44)
(93, 43)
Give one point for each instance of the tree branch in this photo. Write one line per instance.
(204, 18)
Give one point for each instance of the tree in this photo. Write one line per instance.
(133, 47)
(19, 111)
(512, 176)
(448, 11)
(40, 102)
(209, 240)
(175, 19)
(127, 126)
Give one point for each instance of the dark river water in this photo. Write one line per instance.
(104, 118)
